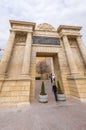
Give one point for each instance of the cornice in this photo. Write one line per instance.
(68, 27)
(22, 23)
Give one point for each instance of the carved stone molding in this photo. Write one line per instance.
(20, 38)
(45, 27)
(73, 42)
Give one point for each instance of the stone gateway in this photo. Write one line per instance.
(28, 41)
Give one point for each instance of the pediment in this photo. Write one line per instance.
(45, 27)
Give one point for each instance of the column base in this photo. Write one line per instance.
(85, 73)
(2, 76)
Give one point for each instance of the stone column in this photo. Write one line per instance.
(27, 54)
(82, 48)
(72, 64)
(7, 54)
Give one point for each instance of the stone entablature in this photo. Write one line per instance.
(17, 67)
(22, 26)
(69, 30)
(45, 33)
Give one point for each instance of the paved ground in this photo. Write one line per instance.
(68, 115)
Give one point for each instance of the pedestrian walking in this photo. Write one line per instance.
(54, 89)
(53, 77)
(50, 77)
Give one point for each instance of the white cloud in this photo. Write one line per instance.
(55, 12)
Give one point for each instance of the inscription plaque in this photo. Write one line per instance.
(46, 40)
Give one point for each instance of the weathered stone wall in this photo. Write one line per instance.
(15, 64)
(15, 92)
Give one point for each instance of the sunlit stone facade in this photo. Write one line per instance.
(18, 64)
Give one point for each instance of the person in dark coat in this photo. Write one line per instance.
(54, 89)
(51, 77)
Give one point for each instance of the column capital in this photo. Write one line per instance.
(29, 32)
(65, 39)
(62, 35)
(79, 36)
(79, 39)
(12, 31)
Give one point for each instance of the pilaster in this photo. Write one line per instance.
(82, 48)
(71, 62)
(27, 55)
(7, 53)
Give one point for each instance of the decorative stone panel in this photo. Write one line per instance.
(20, 38)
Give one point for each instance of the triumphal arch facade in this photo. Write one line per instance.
(28, 41)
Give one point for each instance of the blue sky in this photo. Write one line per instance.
(54, 12)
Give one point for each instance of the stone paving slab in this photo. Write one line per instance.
(68, 115)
